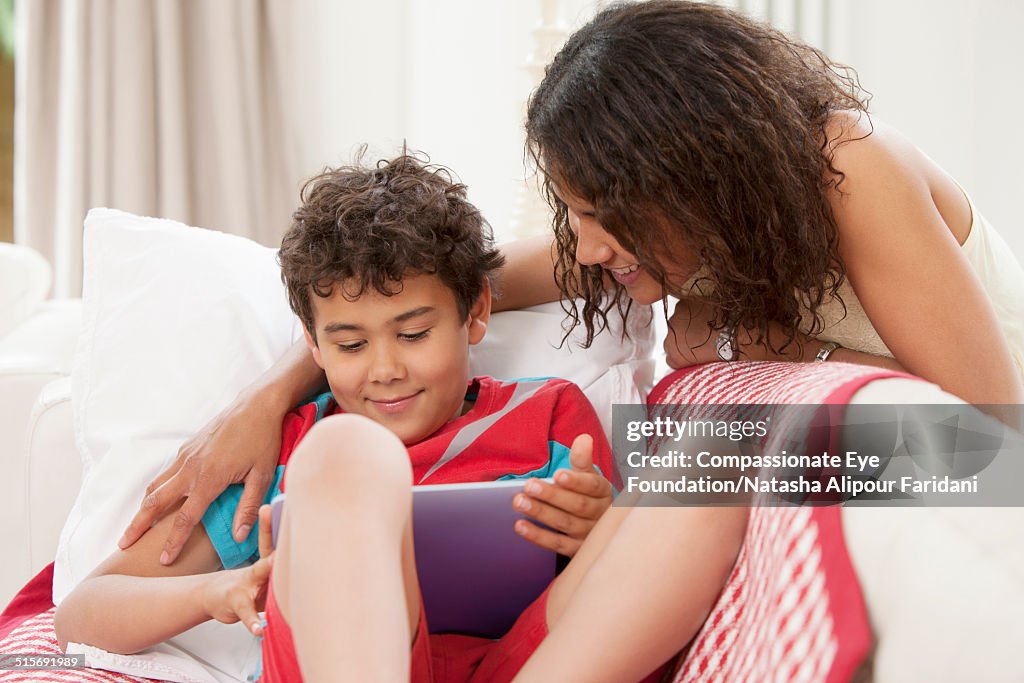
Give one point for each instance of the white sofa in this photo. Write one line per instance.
(37, 341)
(944, 587)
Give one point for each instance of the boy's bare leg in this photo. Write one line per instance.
(344, 571)
(637, 591)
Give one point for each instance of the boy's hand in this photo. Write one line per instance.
(240, 594)
(265, 538)
(570, 507)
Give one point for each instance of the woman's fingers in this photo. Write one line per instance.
(156, 503)
(254, 493)
(240, 445)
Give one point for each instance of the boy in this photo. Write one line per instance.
(388, 268)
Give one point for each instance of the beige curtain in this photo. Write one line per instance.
(174, 108)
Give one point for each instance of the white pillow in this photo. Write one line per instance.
(176, 320)
(527, 343)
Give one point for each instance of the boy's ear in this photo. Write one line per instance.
(480, 314)
(312, 346)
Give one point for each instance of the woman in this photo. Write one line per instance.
(689, 151)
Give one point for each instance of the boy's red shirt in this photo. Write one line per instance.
(526, 428)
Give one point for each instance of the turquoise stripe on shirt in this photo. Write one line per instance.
(220, 516)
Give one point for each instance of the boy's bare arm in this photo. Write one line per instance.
(131, 601)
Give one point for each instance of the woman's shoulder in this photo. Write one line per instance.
(878, 170)
(861, 147)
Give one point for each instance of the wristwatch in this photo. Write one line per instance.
(726, 344)
(826, 350)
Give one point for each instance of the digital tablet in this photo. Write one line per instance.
(476, 574)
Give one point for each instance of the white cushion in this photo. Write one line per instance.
(176, 320)
(528, 343)
(53, 478)
(944, 586)
(34, 354)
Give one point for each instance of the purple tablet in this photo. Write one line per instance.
(476, 574)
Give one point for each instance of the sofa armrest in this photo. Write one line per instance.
(54, 471)
(943, 585)
(37, 352)
(18, 387)
(47, 339)
(44, 474)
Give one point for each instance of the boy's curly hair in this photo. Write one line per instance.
(371, 227)
(690, 127)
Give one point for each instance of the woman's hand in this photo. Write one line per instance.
(240, 445)
(570, 507)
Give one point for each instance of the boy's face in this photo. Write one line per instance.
(400, 360)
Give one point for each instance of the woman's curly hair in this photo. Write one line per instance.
(690, 127)
(371, 227)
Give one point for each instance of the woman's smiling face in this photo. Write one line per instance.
(595, 246)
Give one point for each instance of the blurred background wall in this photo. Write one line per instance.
(450, 77)
(944, 72)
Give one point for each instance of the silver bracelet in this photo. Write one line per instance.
(826, 350)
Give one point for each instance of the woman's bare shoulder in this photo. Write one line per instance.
(861, 145)
(881, 170)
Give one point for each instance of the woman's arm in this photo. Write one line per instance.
(911, 276)
(528, 277)
(240, 445)
(689, 342)
(909, 273)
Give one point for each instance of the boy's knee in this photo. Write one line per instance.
(346, 451)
